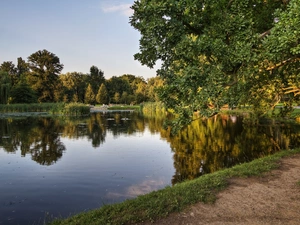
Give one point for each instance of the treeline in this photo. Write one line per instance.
(39, 79)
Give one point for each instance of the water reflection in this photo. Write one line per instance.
(204, 146)
(38, 137)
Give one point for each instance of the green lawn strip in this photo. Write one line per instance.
(159, 204)
(125, 107)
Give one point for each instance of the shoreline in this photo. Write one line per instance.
(172, 205)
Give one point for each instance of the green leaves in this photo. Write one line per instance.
(213, 52)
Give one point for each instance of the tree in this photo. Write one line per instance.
(75, 85)
(153, 84)
(212, 51)
(44, 70)
(11, 71)
(102, 95)
(117, 97)
(89, 95)
(96, 78)
(23, 93)
(124, 97)
(117, 84)
(22, 67)
(5, 87)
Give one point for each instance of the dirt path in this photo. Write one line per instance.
(271, 199)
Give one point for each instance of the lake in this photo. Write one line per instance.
(59, 166)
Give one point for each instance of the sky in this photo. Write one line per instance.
(82, 33)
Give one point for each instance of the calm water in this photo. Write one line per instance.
(57, 167)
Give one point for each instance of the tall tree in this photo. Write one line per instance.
(74, 85)
(23, 93)
(44, 70)
(89, 95)
(96, 78)
(11, 71)
(102, 95)
(5, 87)
(117, 97)
(117, 84)
(153, 84)
(211, 51)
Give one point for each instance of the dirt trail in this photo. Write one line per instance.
(271, 199)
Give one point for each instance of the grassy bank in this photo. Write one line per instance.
(160, 203)
(71, 109)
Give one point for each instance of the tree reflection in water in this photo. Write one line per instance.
(204, 146)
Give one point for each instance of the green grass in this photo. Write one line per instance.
(298, 183)
(159, 204)
(125, 107)
(34, 107)
(71, 109)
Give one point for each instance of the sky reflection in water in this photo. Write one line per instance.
(58, 167)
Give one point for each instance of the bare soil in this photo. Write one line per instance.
(273, 198)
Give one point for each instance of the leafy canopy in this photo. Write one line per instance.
(214, 52)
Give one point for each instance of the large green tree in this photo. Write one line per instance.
(212, 51)
(89, 97)
(44, 70)
(96, 78)
(102, 95)
(11, 71)
(74, 85)
(5, 87)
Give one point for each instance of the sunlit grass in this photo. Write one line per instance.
(125, 107)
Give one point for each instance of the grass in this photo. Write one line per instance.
(125, 107)
(71, 109)
(298, 183)
(159, 204)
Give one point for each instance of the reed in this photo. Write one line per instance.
(34, 107)
(71, 109)
(154, 109)
(76, 109)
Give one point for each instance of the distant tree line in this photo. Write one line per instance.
(39, 79)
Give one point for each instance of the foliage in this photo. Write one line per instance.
(96, 78)
(219, 52)
(35, 107)
(74, 85)
(23, 93)
(76, 109)
(153, 86)
(117, 84)
(41, 74)
(116, 97)
(102, 95)
(44, 69)
(89, 96)
(154, 109)
(5, 87)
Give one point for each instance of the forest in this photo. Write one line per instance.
(39, 79)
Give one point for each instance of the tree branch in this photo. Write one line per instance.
(282, 63)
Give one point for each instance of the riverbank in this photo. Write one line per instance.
(180, 204)
(273, 198)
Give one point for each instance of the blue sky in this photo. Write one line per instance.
(81, 33)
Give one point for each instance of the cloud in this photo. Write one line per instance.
(123, 9)
(139, 189)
